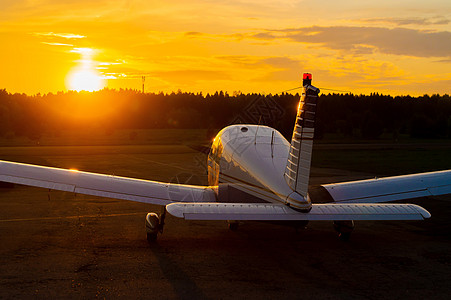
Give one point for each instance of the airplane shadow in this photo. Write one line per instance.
(184, 286)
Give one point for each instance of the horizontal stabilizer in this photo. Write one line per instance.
(391, 188)
(279, 212)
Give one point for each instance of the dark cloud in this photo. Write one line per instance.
(409, 21)
(193, 33)
(265, 35)
(398, 41)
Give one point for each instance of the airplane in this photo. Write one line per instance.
(254, 173)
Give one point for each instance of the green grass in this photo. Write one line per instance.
(118, 137)
(157, 162)
(383, 162)
(335, 138)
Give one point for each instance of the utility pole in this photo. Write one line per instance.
(144, 80)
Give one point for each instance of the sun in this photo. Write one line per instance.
(84, 80)
(84, 77)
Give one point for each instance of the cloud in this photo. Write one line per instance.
(84, 51)
(194, 33)
(117, 62)
(61, 35)
(57, 44)
(397, 41)
(409, 21)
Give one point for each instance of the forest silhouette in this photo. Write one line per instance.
(355, 116)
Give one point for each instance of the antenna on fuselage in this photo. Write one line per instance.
(256, 131)
(272, 144)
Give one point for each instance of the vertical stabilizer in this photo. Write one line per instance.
(297, 172)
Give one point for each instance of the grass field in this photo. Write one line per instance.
(385, 162)
(162, 162)
(115, 138)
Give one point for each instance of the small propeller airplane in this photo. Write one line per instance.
(254, 173)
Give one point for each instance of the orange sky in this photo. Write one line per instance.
(249, 46)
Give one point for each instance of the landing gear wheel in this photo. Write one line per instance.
(233, 225)
(155, 224)
(152, 226)
(344, 229)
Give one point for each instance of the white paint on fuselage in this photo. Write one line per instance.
(253, 158)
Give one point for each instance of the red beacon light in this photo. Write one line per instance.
(307, 79)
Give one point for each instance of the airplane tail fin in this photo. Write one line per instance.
(297, 172)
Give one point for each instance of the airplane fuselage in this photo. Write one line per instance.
(250, 160)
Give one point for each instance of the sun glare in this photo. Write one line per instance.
(84, 77)
(85, 80)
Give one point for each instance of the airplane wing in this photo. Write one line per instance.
(103, 185)
(280, 212)
(391, 188)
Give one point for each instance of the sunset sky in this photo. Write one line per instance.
(391, 47)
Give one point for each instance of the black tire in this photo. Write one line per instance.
(152, 227)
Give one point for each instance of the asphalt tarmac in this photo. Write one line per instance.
(60, 245)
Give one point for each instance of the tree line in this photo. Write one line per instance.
(349, 115)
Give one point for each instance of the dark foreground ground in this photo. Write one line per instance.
(57, 245)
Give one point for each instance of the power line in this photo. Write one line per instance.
(319, 88)
(336, 90)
